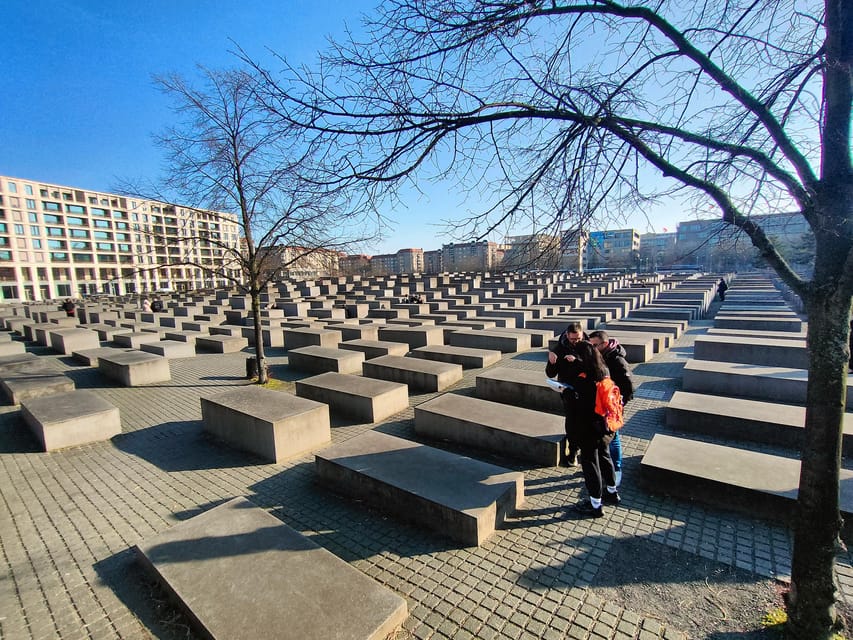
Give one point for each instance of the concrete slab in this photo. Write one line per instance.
(418, 374)
(513, 432)
(364, 399)
(70, 419)
(519, 387)
(273, 425)
(170, 349)
(458, 497)
(90, 357)
(742, 419)
(221, 344)
(134, 368)
(502, 341)
(28, 383)
(760, 484)
(297, 337)
(752, 350)
(376, 348)
(322, 359)
(239, 572)
(467, 357)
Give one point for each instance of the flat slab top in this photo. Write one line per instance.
(414, 364)
(461, 483)
(264, 404)
(245, 574)
(753, 341)
(520, 376)
(740, 368)
(63, 406)
(729, 465)
(352, 384)
(529, 422)
(130, 357)
(328, 352)
(460, 351)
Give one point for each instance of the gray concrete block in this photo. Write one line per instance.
(322, 359)
(221, 344)
(752, 350)
(467, 357)
(513, 432)
(457, 496)
(67, 341)
(273, 425)
(297, 337)
(70, 419)
(134, 368)
(520, 387)
(364, 399)
(238, 572)
(170, 349)
(502, 341)
(422, 375)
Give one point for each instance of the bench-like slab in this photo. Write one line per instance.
(297, 337)
(364, 399)
(169, 348)
(742, 419)
(70, 419)
(11, 347)
(502, 341)
(239, 572)
(760, 484)
(467, 357)
(519, 387)
(321, 359)
(762, 324)
(419, 336)
(135, 368)
(221, 344)
(422, 375)
(376, 348)
(457, 496)
(273, 425)
(134, 340)
(752, 350)
(757, 382)
(514, 432)
(90, 357)
(35, 380)
(67, 341)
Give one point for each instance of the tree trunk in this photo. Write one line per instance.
(811, 602)
(260, 359)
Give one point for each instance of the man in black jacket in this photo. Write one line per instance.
(614, 357)
(563, 363)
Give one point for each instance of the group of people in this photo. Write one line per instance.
(579, 362)
(149, 306)
(414, 298)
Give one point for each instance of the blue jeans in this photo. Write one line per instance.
(616, 452)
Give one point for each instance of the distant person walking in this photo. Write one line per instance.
(563, 363)
(68, 307)
(146, 305)
(614, 356)
(722, 287)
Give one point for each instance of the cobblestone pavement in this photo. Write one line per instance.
(69, 519)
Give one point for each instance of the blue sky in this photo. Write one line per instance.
(79, 107)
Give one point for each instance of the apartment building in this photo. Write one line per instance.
(470, 256)
(614, 249)
(59, 241)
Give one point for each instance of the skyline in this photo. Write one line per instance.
(84, 109)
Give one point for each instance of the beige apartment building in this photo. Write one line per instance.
(58, 241)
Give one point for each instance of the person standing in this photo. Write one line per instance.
(146, 305)
(592, 435)
(68, 307)
(722, 287)
(614, 356)
(562, 363)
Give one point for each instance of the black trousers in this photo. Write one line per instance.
(596, 464)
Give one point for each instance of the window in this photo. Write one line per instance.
(28, 189)
(124, 247)
(74, 208)
(121, 225)
(79, 245)
(14, 202)
(63, 290)
(93, 200)
(105, 246)
(51, 206)
(103, 235)
(95, 211)
(22, 244)
(3, 228)
(56, 232)
(34, 230)
(79, 222)
(49, 217)
(58, 257)
(12, 187)
(82, 257)
(31, 204)
(56, 244)
(78, 233)
(122, 236)
(9, 291)
(36, 244)
(4, 241)
(19, 229)
(121, 215)
(102, 224)
(33, 216)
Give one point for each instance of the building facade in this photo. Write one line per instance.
(613, 249)
(58, 241)
(470, 256)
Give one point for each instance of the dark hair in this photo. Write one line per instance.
(593, 364)
(574, 327)
(600, 334)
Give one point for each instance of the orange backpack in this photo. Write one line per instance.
(608, 404)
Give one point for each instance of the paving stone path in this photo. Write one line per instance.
(69, 519)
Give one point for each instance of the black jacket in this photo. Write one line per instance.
(614, 357)
(564, 370)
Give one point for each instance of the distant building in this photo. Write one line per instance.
(403, 261)
(58, 241)
(469, 256)
(299, 263)
(432, 261)
(534, 251)
(657, 250)
(354, 265)
(614, 249)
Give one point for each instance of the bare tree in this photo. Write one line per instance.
(227, 155)
(556, 112)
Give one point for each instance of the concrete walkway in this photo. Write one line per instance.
(68, 520)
